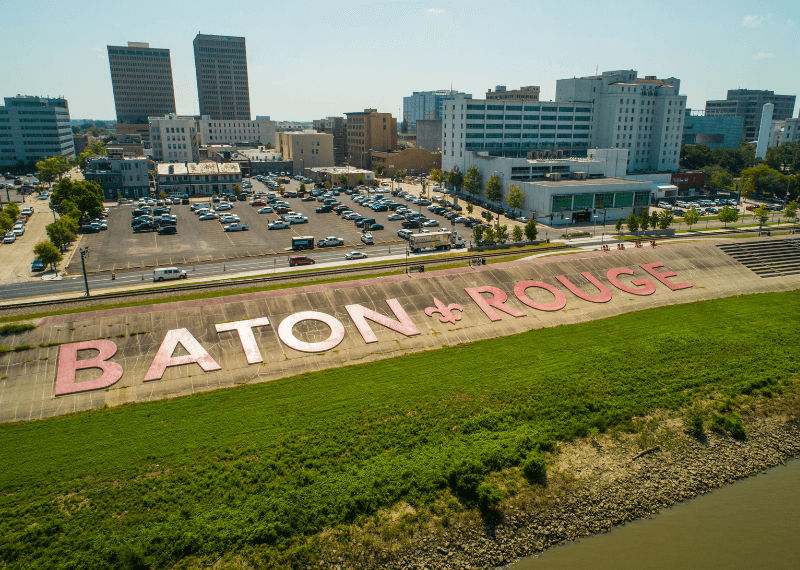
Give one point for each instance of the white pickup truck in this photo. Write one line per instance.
(330, 241)
(235, 227)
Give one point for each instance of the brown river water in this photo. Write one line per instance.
(751, 524)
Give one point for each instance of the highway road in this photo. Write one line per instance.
(75, 283)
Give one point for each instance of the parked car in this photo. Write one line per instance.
(10, 237)
(93, 229)
(37, 265)
(224, 207)
(278, 225)
(167, 230)
(209, 216)
(265, 210)
(300, 260)
(367, 239)
(237, 227)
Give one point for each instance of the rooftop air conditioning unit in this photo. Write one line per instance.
(553, 176)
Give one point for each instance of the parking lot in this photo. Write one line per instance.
(196, 241)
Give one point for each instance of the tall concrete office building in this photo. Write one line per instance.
(222, 86)
(141, 77)
(336, 126)
(34, 128)
(749, 104)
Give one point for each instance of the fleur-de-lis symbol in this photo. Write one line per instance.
(446, 311)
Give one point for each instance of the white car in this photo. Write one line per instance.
(523, 220)
(431, 223)
(355, 255)
(18, 229)
(265, 210)
(10, 237)
(209, 216)
(330, 241)
(278, 225)
(394, 217)
(367, 239)
(229, 219)
(224, 207)
(297, 220)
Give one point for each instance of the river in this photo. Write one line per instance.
(753, 523)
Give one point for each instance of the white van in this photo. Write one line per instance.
(167, 273)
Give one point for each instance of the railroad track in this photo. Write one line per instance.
(19, 308)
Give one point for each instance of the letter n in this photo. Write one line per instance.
(404, 325)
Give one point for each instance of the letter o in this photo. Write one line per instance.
(287, 336)
(558, 303)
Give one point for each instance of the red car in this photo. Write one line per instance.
(258, 203)
(300, 260)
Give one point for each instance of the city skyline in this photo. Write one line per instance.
(302, 62)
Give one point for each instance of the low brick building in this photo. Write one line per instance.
(412, 160)
(689, 180)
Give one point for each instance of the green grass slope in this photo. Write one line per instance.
(261, 468)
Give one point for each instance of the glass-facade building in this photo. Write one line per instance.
(712, 131)
(426, 106)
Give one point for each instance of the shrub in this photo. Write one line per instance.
(14, 328)
(465, 478)
(488, 495)
(717, 422)
(735, 426)
(694, 421)
(534, 467)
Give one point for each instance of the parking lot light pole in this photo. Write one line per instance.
(84, 252)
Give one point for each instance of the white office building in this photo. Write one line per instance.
(615, 110)
(174, 138)
(787, 130)
(643, 115)
(34, 128)
(258, 132)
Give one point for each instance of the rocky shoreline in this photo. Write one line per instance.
(611, 483)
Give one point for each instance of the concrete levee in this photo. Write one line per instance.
(29, 377)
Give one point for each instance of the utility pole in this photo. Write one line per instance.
(84, 252)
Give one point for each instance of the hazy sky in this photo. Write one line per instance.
(312, 59)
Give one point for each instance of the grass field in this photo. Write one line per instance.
(257, 470)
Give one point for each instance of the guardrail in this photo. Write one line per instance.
(195, 287)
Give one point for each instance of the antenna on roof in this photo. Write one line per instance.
(597, 69)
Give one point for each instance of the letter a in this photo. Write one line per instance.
(164, 359)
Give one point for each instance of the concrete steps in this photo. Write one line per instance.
(773, 258)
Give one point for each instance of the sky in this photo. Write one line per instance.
(312, 59)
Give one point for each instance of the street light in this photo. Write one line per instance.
(566, 226)
(84, 252)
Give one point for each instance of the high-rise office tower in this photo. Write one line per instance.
(34, 128)
(749, 104)
(142, 80)
(222, 86)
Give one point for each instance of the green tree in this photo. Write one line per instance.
(763, 180)
(695, 157)
(302, 187)
(618, 225)
(343, 180)
(718, 177)
(84, 197)
(6, 223)
(517, 234)
(423, 189)
(791, 209)
(644, 222)
(60, 232)
(502, 233)
(691, 217)
(515, 198)
(12, 210)
(379, 171)
(470, 209)
(728, 214)
(48, 253)
(53, 168)
(237, 190)
(489, 234)
(473, 181)
(633, 223)
(361, 180)
(494, 190)
(162, 195)
(477, 233)
(780, 157)
(665, 219)
(531, 230)
(97, 148)
(654, 219)
(489, 217)
(762, 214)
(438, 176)
(455, 178)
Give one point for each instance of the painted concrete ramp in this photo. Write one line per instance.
(83, 361)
